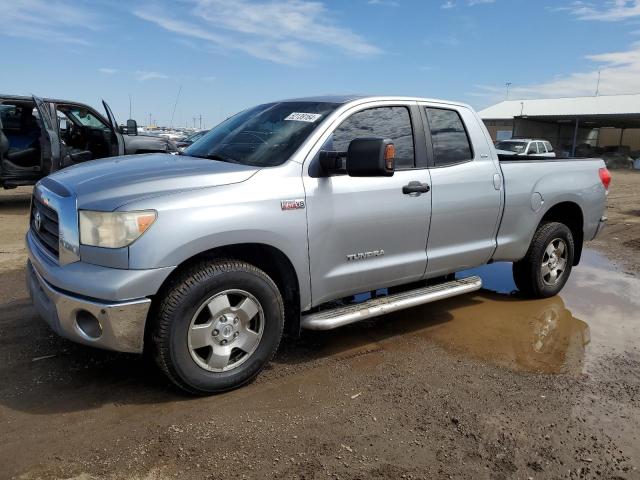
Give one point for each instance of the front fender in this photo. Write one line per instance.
(194, 222)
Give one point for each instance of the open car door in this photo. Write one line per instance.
(118, 140)
(50, 159)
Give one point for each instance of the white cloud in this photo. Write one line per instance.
(611, 11)
(144, 75)
(108, 71)
(471, 3)
(619, 74)
(384, 3)
(50, 21)
(282, 31)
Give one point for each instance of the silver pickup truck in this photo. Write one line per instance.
(281, 215)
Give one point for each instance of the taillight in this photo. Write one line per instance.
(605, 177)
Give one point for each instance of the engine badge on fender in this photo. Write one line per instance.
(292, 204)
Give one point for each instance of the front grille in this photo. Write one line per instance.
(47, 230)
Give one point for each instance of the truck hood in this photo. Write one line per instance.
(113, 182)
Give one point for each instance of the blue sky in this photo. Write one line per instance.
(230, 54)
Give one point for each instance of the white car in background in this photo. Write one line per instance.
(526, 147)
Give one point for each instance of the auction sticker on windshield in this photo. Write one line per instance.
(303, 117)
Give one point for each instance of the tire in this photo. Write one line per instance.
(217, 326)
(533, 274)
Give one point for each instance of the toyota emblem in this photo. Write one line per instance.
(37, 221)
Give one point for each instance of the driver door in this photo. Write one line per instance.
(368, 233)
(51, 157)
(118, 144)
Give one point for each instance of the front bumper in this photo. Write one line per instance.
(110, 325)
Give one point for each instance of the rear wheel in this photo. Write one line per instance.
(218, 326)
(546, 267)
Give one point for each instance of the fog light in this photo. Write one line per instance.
(88, 324)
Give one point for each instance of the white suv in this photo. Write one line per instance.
(526, 147)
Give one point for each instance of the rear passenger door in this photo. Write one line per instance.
(466, 195)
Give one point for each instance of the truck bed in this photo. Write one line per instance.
(532, 184)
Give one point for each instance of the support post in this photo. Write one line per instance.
(575, 138)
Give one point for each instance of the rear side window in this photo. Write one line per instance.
(449, 137)
(393, 123)
(549, 147)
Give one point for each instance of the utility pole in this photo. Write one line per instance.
(508, 85)
(149, 119)
(194, 121)
(598, 84)
(200, 121)
(174, 107)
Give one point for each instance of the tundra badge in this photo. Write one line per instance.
(362, 255)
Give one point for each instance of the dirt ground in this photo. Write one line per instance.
(483, 386)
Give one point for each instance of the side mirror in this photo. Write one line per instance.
(132, 127)
(371, 157)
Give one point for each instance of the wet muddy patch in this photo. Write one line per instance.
(596, 316)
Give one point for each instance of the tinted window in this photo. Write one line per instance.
(541, 148)
(533, 149)
(393, 123)
(262, 136)
(449, 137)
(549, 147)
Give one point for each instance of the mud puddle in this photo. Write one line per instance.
(596, 315)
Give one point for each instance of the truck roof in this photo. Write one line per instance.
(28, 98)
(342, 99)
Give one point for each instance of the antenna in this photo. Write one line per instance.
(598, 85)
(130, 116)
(508, 85)
(174, 107)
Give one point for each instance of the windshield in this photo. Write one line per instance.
(263, 136)
(516, 147)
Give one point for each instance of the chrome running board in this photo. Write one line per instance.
(338, 317)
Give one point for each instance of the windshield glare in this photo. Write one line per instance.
(516, 147)
(263, 136)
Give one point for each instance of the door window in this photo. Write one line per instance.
(85, 117)
(451, 143)
(392, 123)
(541, 148)
(533, 149)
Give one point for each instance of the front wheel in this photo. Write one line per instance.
(546, 267)
(218, 326)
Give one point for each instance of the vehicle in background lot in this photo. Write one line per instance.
(282, 215)
(189, 140)
(526, 147)
(40, 136)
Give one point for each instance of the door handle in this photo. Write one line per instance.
(416, 188)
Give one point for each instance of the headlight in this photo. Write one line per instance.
(113, 229)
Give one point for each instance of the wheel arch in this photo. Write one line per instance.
(267, 258)
(570, 214)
